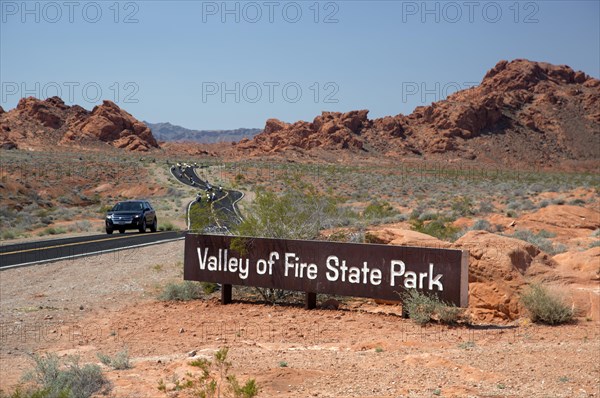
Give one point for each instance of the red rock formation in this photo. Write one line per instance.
(109, 123)
(35, 123)
(522, 111)
(330, 130)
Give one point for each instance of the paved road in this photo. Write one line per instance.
(20, 254)
(224, 203)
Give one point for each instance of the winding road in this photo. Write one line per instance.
(223, 204)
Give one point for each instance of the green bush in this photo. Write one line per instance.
(546, 307)
(183, 291)
(52, 379)
(202, 215)
(209, 287)
(378, 210)
(119, 362)
(440, 228)
(8, 235)
(210, 385)
(300, 212)
(423, 308)
(166, 226)
(463, 206)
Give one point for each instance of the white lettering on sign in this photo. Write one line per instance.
(412, 280)
(291, 261)
(363, 275)
(223, 263)
(337, 270)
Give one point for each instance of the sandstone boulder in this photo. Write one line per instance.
(499, 268)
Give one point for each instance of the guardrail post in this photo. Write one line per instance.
(225, 294)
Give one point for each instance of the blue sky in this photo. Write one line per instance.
(223, 65)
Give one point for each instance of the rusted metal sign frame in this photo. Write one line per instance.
(347, 269)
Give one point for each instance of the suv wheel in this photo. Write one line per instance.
(109, 231)
(154, 225)
(143, 226)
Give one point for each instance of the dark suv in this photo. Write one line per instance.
(131, 214)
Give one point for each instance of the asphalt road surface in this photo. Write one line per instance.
(20, 254)
(223, 203)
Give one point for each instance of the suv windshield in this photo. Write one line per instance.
(128, 206)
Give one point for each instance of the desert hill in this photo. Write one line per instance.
(171, 132)
(522, 111)
(43, 123)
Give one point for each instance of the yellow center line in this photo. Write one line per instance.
(73, 244)
(221, 198)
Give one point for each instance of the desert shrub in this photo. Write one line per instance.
(558, 201)
(423, 308)
(216, 381)
(481, 225)
(8, 234)
(300, 212)
(463, 206)
(119, 362)
(524, 204)
(440, 228)
(166, 226)
(53, 379)
(52, 231)
(546, 307)
(209, 287)
(104, 208)
(378, 210)
(183, 291)
(595, 243)
(428, 216)
(577, 202)
(596, 233)
(540, 240)
(545, 234)
(201, 216)
(80, 226)
(543, 203)
(485, 207)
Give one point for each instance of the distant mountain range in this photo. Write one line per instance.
(171, 132)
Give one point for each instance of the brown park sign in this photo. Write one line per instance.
(346, 269)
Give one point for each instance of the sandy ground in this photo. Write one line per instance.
(107, 303)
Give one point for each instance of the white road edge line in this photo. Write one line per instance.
(50, 260)
(188, 214)
(239, 216)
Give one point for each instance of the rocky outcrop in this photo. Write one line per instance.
(499, 268)
(330, 130)
(522, 111)
(37, 122)
(109, 123)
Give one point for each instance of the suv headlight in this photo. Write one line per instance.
(109, 216)
(137, 216)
